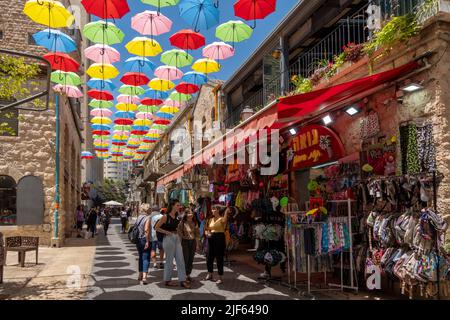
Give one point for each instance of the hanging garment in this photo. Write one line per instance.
(427, 148)
(409, 148)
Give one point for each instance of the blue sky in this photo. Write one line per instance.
(243, 49)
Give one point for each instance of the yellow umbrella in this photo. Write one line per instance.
(126, 106)
(143, 46)
(101, 120)
(101, 144)
(48, 12)
(142, 122)
(169, 109)
(206, 66)
(120, 137)
(102, 71)
(161, 84)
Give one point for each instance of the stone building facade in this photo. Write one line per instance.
(32, 151)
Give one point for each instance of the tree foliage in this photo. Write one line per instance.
(111, 190)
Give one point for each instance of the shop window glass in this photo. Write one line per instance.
(8, 192)
(30, 201)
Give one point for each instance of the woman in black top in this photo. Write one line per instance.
(168, 226)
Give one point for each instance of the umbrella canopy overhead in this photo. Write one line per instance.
(132, 90)
(151, 23)
(200, 14)
(134, 79)
(161, 84)
(186, 88)
(68, 90)
(61, 61)
(206, 66)
(142, 46)
(177, 58)
(100, 95)
(86, 155)
(187, 39)
(48, 12)
(124, 98)
(102, 71)
(218, 51)
(103, 32)
(139, 64)
(196, 78)
(254, 9)
(100, 103)
(126, 107)
(168, 73)
(65, 78)
(102, 53)
(106, 9)
(234, 31)
(55, 40)
(101, 84)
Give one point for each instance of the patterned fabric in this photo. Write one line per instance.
(427, 148)
(410, 149)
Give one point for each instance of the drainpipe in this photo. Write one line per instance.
(55, 239)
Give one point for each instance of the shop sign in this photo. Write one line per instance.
(314, 145)
(160, 189)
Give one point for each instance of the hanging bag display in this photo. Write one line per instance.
(369, 125)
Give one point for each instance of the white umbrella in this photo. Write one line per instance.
(113, 203)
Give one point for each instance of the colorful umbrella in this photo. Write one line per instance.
(218, 51)
(196, 78)
(142, 46)
(65, 78)
(103, 32)
(177, 96)
(186, 88)
(128, 99)
(54, 40)
(48, 12)
(101, 84)
(206, 66)
(164, 116)
(134, 79)
(176, 58)
(139, 130)
(151, 102)
(254, 9)
(174, 103)
(161, 3)
(153, 133)
(97, 126)
(142, 122)
(68, 90)
(168, 73)
(126, 107)
(124, 114)
(148, 109)
(101, 132)
(234, 31)
(144, 115)
(160, 121)
(200, 14)
(98, 112)
(159, 126)
(101, 120)
(119, 143)
(102, 53)
(120, 136)
(151, 23)
(101, 103)
(122, 128)
(161, 84)
(139, 64)
(61, 61)
(100, 95)
(124, 121)
(106, 9)
(103, 71)
(86, 155)
(131, 90)
(187, 40)
(155, 94)
(169, 109)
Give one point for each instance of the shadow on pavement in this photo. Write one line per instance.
(111, 264)
(197, 296)
(115, 273)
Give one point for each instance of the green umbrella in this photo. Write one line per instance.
(177, 58)
(101, 103)
(148, 109)
(234, 31)
(131, 90)
(103, 32)
(120, 127)
(161, 127)
(177, 96)
(161, 3)
(65, 78)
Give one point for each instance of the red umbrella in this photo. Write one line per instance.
(132, 147)
(187, 39)
(61, 61)
(187, 88)
(106, 9)
(119, 143)
(254, 9)
(151, 102)
(161, 121)
(100, 95)
(123, 121)
(101, 132)
(134, 79)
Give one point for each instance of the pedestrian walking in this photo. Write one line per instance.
(143, 244)
(91, 221)
(215, 234)
(123, 219)
(106, 220)
(168, 225)
(157, 239)
(80, 220)
(189, 232)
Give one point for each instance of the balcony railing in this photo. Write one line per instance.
(356, 28)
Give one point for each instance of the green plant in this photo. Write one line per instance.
(353, 52)
(398, 30)
(302, 85)
(427, 9)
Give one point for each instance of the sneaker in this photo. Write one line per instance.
(209, 277)
(155, 267)
(220, 281)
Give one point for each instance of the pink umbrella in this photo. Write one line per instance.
(218, 51)
(174, 103)
(123, 98)
(121, 132)
(144, 115)
(70, 91)
(102, 53)
(99, 112)
(151, 23)
(168, 73)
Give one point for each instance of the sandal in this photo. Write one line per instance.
(209, 277)
(185, 284)
(170, 284)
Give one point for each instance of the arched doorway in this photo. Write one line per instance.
(8, 195)
(30, 201)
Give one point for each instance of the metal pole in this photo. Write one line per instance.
(56, 213)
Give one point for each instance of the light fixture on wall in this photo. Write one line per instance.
(276, 54)
(411, 87)
(327, 119)
(352, 110)
(292, 131)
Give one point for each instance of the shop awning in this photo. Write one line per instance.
(173, 175)
(299, 106)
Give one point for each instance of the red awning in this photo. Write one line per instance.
(177, 173)
(298, 106)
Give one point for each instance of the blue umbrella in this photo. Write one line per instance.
(196, 78)
(101, 127)
(139, 64)
(55, 40)
(101, 84)
(201, 14)
(163, 115)
(155, 94)
(124, 114)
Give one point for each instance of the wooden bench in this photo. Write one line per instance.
(21, 245)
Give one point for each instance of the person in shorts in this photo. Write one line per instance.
(156, 238)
